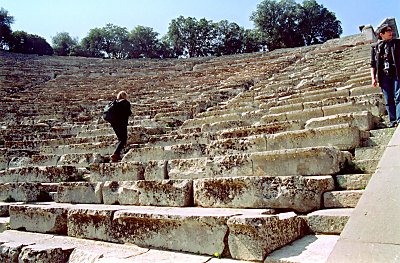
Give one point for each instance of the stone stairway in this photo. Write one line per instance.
(258, 157)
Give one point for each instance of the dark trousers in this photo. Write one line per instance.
(122, 134)
(391, 91)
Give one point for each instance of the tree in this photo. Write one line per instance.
(5, 28)
(251, 41)
(317, 24)
(287, 24)
(93, 44)
(278, 23)
(25, 43)
(190, 37)
(143, 42)
(63, 44)
(229, 38)
(115, 41)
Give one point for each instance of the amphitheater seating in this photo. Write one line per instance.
(248, 157)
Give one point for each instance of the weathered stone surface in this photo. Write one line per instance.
(302, 161)
(255, 143)
(187, 168)
(364, 120)
(156, 170)
(352, 181)
(229, 165)
(3, 159)
(39, 218)
(80, 159)
(4, 224)
(328, 221)
(80, 193)
(121, 171)
(344, 137)
(21, 192)
(374, 152)
(45, 159)
(47, 174)
(252, 238)
(339, 199)
(179, 151)
(157, 193)
(290, 192)
(307, 249)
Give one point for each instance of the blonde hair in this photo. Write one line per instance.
(122, 95)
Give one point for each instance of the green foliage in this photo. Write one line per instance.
(285, 24)
(5, 28)
(25, 43)
(143, 42)
(64, 45)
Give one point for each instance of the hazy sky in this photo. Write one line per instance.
(46, 18)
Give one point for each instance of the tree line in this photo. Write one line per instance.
(278, 24)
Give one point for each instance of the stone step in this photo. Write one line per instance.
(328, 221)
(157, 193)
(380, 137)
(104, 148)
(299, 161)
(4, 224)
(366, 165)
(364, 153)
(35, 247)
(342, 199)
(246, 234)
(41, 174)
(364, 120)
(311, 248)
(286, 192)
(352, 181)
(24, 192)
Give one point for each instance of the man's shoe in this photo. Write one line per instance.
(115, 158)
(392, 124)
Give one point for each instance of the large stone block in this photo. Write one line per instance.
(80, 193)
(328, 221)
(122, 171)
(156, 170)
(364, 120)
(157, 193)
(301, 161)
(22, 192)
(45, 174)
(187, 168)
(299, 193)
(39, 218)
(344, 137)
(253, 238)
(256, 143)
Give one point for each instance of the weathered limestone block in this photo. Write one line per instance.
(342, 199)
(17, 162)
(39, 218)
(80, 193)
(328, 221)
(364, 120)
(34, 253)
(122, 171)
(80, 159)
(156, 193)
(198, 122)
(299, 193)
(92, 222)
(21, 192)
(155, 170)
(301, 161)
(253, 238)
(363, 90)
(3, 158)
(271, 118)
(365, 153)
(46, 174)
(103, 148)
(179, 151)
(344, 137)
(256, 143)
(187, 168)
(376, 109)
(286, 108)
(352, 181)
(222, 125)
(192, 230)
(11, 244)
(304, 115)
(229, 165)
(45, 159)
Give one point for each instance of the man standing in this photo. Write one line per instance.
(385, 70)
(122, 112)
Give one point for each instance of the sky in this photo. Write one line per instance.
(46, 18)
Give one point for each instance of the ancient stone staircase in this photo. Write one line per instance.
(257, 157)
